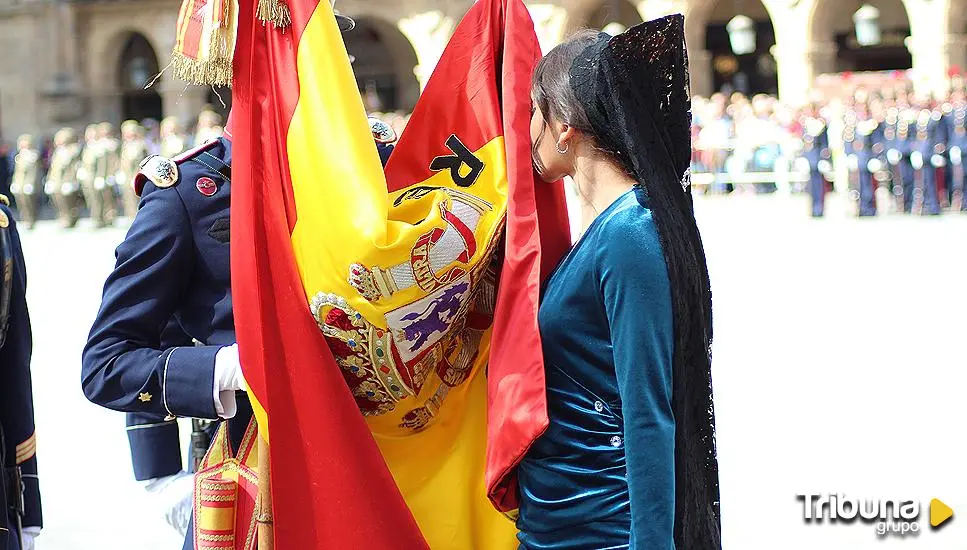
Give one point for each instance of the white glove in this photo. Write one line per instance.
(29, 534)
(228, 380)
(174, 496)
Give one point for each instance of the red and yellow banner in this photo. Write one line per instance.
(366, 304)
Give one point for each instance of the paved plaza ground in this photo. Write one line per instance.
(840, 365)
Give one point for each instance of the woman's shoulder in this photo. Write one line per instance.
(627, 235)
(629, 217)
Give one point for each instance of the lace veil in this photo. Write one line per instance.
(633, 88)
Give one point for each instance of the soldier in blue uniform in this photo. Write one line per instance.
(815, 140)
(858, 140)
(893, 143)
(956, 121)
(925, 159)
(173, 264)
(20, 511)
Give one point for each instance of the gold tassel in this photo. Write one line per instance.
(282, 16)
(213, 72)
(265, 10)
(275, 12)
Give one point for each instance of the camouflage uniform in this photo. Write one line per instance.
(26, 179)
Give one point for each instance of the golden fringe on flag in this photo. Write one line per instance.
(205, 42)
(275, 12)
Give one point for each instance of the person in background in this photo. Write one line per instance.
(152, 135)
(93, 198)
(21, 515)
(172, 141)
(26, 179)
(61, 184)
(815, 139)
(208, 127)
(106, 170)
(134, 149)
(956, 121)
(6, 167)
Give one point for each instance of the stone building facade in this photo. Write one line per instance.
(69, 62)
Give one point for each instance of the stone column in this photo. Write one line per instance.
(927, 45)
(429, 33)
(550, 22)
(62, 91)
(700, 71)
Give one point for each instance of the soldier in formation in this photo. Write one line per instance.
(98, 173)
(25, 185)
(61, 185)
(901, 152)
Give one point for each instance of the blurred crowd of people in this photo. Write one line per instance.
(738, 140)
(93, 171)
(890, 150)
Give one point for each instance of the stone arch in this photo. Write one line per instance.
(714, 66)
(136, 67)
(831, 33)
(599, 14)
(106, 44)
(384, 64)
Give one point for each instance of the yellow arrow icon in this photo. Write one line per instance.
(939, 512)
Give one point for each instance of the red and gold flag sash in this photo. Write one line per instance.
(226, 494)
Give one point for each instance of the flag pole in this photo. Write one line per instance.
(266, 538)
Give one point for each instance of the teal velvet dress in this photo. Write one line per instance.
(602, 476)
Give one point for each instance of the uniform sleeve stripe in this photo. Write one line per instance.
(27, 449)
(152, 425)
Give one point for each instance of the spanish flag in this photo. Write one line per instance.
(387, 323)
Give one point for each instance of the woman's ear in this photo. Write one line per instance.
(564, 137)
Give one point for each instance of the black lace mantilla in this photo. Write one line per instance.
(634, 90)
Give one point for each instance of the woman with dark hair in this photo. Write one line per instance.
(628, 460)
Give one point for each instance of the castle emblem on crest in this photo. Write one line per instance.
(431, 255)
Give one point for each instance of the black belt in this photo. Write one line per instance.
(13, 494)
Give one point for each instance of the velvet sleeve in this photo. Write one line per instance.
(637, 299)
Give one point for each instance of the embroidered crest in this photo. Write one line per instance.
(4, 220)
(432, 256)
(163, 172)
(206, 186)
(439, 335)
(417, 326)
(382, 132)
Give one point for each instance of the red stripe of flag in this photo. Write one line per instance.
(330, 486)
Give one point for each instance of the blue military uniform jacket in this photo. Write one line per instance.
(173, 264)
(171, 282)
(20, 486)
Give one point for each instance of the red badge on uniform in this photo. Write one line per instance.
(206, 186)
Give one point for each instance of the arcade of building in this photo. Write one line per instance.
(68, 62)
